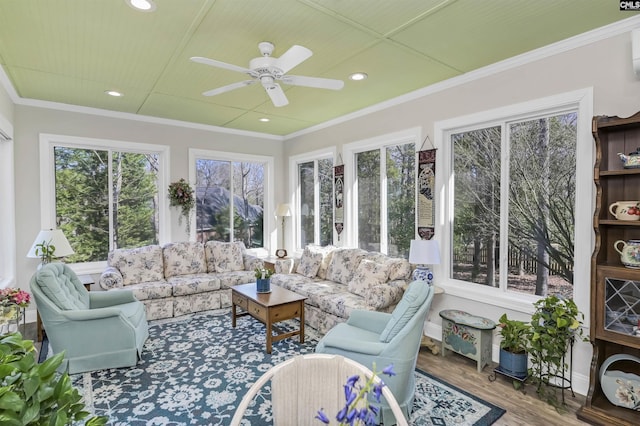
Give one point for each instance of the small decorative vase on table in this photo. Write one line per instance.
(263, 280)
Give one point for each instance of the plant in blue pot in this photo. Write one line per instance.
(513, 347)
(263, 280)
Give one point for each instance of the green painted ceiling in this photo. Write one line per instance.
(71, 51)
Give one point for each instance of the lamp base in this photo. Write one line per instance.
(422, 273)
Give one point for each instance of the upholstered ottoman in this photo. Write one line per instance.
(467, 335)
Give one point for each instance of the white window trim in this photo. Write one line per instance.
(47, 183)
(270, 229)
(7, 209)
(580, 100)
(294, 185)
(411, 135)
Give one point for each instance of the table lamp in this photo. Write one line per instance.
(282, 211)
(50, 244)
(421, 254)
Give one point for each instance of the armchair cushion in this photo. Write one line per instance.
(224, 257)
(309, 263)
(412, 300)
(368, 274)
(138, 265)
(61, 289)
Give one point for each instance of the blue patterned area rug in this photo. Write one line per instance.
(196, 369)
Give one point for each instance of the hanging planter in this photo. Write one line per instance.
(181, 195)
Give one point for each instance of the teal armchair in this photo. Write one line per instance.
(370, 337)
(97, 330)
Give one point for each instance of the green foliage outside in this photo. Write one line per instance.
(82, 201)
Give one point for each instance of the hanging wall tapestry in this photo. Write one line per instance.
(426, 188)
(338, 188)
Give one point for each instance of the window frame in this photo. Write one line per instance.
(7, 209)
(580, 101)
(350, 150)
(48, 142)
(270, 234)
(294, 163)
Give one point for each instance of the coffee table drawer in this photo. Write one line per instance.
(260, 312)
(240, 301)
(283, 312)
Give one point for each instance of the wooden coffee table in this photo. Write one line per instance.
(269, 308)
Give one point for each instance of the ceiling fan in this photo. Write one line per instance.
(268, 70)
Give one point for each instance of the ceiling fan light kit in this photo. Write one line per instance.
(269, 70)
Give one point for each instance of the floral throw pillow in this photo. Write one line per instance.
(368, 274)
(224, 257)
(344, 263)
(309, 263)
(138, 265)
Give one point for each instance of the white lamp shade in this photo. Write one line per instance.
(424, 252)
(54, 237)
(283, 210)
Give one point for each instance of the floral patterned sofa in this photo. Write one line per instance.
(180, 278)
(339, 280)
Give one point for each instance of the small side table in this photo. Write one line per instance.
(427, 341)
(278, 264)
(86, 280)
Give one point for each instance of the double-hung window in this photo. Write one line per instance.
(381, 173)
(313, 199)
(231, 193)
(103, 194)
(514, 179)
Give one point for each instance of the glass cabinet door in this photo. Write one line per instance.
(622, 306)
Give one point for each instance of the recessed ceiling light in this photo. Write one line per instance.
(264, 119)
(357, 76)
(113, 93)
(143, 5)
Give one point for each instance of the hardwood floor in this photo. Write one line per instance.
(523, 407)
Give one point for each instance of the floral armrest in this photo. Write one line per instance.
(381, 296)
(111, 278)
(284, 266)
(251, 262)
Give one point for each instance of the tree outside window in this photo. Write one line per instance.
(537, 185)
(385, 180)
(96, 219)
(315, 207)
(230, 201)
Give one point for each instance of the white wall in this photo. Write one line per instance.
(604, 65)
(7, 211)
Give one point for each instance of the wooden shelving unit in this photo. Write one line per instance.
(615, 289)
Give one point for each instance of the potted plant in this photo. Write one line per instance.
(263, 280)
(555, 325)
(36, 394)
(513, 347)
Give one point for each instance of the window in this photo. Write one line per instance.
(514, 191)
(230, 197)
(315, 206)
(105, 194)
(7, 207)
(383, 213)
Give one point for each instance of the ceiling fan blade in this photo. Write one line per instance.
(277, 95)
(292, 58)
(219, 64)
(317, 82)
(228, 88)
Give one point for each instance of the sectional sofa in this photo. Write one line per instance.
(180, 278)
(338, 280)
